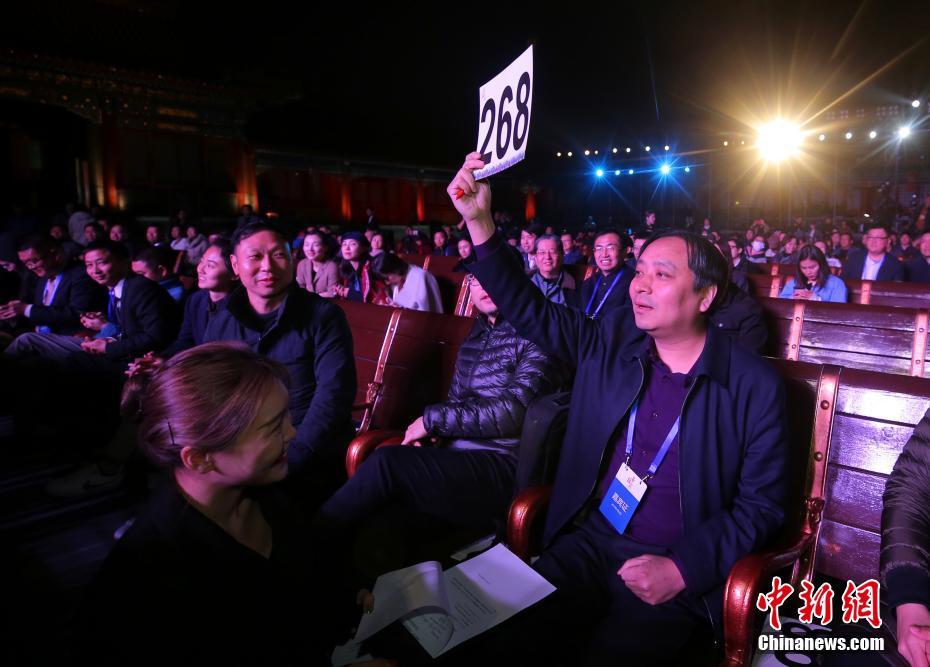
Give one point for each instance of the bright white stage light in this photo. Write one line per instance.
(778, 140)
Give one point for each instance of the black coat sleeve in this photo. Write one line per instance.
(81, 295)
(154, 322)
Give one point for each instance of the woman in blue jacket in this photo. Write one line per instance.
(814, 280)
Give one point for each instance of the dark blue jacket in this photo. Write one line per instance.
(891, 268)
(310, 335)
(733, 439)
(77, 293)
(198, 312)
(619, 296)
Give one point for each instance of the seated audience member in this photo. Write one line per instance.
(918, 269)
(215, 280)
(904, 250)
(218, 536)
(875, 263)
(196, 244)
(408, 286)
(757, 250)
(318, 271)
(468, 479)
(571, 255)
(176, 235)
(356, 280)
(528, 237)
(142, 317)
(93, 232)
(71, 249)
(442, 245)
(813, 280)
(738, 260)
(905, 564)
(738, 315)
(377, 244)
(156, 264)
(608, 289)
(636, 583)
(832, 262)
(557, 285)
(789, 252)
(466, 250)
(738, 279)
(306, 333)
(154, 236)
(846, 248)
(119, 233)
(77, 222)
(639, 238)
(61, 292)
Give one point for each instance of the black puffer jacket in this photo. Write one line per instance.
(497, 374)
(905, 556)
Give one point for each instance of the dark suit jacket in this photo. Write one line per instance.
(891, 268)
(618, 298)
(76, 294)
(149, 320)
(918, 271)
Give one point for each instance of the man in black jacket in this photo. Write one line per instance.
(308, 334)
(60, 293)
(609, 288)
(638, 579)
(876, 263)
(470, 479)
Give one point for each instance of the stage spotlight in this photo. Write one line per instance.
(617, 172)
(726, 143)
(595, 152)
(648, 148)
(687, 170)
(915, 104)
(599, 173)
(665, 169)
(587, 152)
(628, 149)
(615, 151)
(848, 136)
(873, 134)
(822, 137)
(778, 140)
(558, 154)
(904, 132)
(630, 172)
(666, 147)
(569, 153)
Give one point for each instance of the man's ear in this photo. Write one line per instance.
(235, 264)
(197, 460)
(707, 297)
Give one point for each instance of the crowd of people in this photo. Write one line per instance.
(225, 360)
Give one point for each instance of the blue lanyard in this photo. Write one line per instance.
(610, 289)
(663, 450)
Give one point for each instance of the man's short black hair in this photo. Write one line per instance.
(704, 259)
(116, 250)
(254, 227)
(41, 243)
(625, 242)
(154, 257)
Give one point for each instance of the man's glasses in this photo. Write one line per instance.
(610, 247)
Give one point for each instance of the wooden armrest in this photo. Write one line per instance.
(747, 579)
(526, 518)
(363, 445)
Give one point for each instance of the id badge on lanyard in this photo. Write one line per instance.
(627, 488)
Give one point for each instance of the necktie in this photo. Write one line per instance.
(113, 310)
(49, 292)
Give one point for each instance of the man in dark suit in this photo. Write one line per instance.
(876, 263)
(54, 300)
(609, 288)
(140, 317)
(918, 269)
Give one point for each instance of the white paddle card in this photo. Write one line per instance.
(504, 106)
